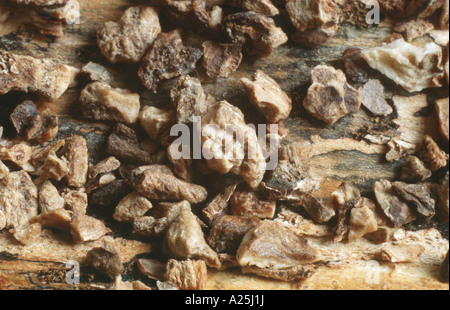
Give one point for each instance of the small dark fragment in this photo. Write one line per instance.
(106, 260)
(356, 67)
(414, 170)
(247, 202)
(110, 194)
(419, 196)
(152, 268)
(444, 269)
(167, 59)
(47, 26)
(220, 60)
(24, 117)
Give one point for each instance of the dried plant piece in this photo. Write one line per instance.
(246, 202)
(330, 97)
(77, 155)
(41, 3)
(445, 264)
(4, 170)
(187, 274)
(413, 29)
(413, 67)
(148, 226)
(399, 149)
(257, 33)
(110, 194)
(85, 228)
(156, 121)
(190, 14)
(106, 260)
(432, 155)
(96, 72)
(130, 207)
(363, 220)
(18, 200)
(268, 97)
(24, 116)
(184, 239)
(393, 207)
(356, 67)
(386, 234)
(49, 198)
(100, 101)
(189, 99)
(419, 196)
(53, 168)
(58, 219)
(218, 205)
(168, 58)
(272, 245)
(346, 197)
(373, 98)
(152, 268)
(414, 170)
(220, 59)
(442, 110)
(155, 184)
(228, 232)
(75, 199)
(19, 154)
(128, 39)
(265, 7)
(48, 77)
(28, 234)
(401, 253)
(107, 165)
(124, 145)
(44, 128)
(314, 38)
(316, 209)
(47, 26)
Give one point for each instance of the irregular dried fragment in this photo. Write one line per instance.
(272, 245)
(168, 58)
(356, 67)
(19, 154)
(130, 207)
(128, 39)
(373, 98)
(158, 185)
(296, 273)
(398, 8)
(247, 202)
(100, 101)
(228, 232)
(330, 97)
(27, 234)
(386, 234)
(107, 165)
(442, 110)
(419, 196)
(124, 145)
(399, 149)
(316, 209)
(443, 199)
(110, 194)
(24, 116)
(40, 153)
(393, 207)
(220, 59)
(18, 200)
(401, 253)
(4, 170)
(43, 128)
(346, 197)
(184, 239)
(414, 170)
(46, 26)
(86, 228)
(106, 260)
(148, 226)
(77, 155)
(187, 274)
(445, 264)
(156, 121)
(363, 220)
(217, 206)
(152, 268)
(75, 199)
(413, 29)
(314, 38)
(265, 7)
(257, 33)
(268, 97)
(44, 76)
(96, 72)
(432, 155)
(49, 198)
(58, 219)
(53, 168)
(189, 99)
(413, 67)
(190, 14)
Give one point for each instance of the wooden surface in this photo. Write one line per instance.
(338, 153)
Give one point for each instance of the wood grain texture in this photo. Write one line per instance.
(338, 153)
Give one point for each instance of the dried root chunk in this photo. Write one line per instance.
(156, 121)
(130, 207)
(413, 67)
(314, 38)
(128, 39)
(268, 97)
(44, 76)
(184, 239)
(246, 202)
(53, 168)
(330, 97)
(148, 226)
(27, 234)
(24, 117)
(356, 66)
(296, 273)
(155, 184)
(393, 207)
(217, 206)
(414, 170)
(401, 253)
(49, 198)
(258, 33)
(109, 164)
(432, 155)
(190, 14)
(246, 156)
(272, 245)
(220, 60)
(85, 228)
(75, 199)
(415, 28)
(110, 194)
(100, 101)
(19, 154)
(346, 197)
(18, 200)
(363, 220)
(398, 8)
(186, 275)
(167, 59)
(106, 260)
(152, 268)
(317, 210)
(399, 149)
(228, 232)
(96, 72)
(442, 110)
(419, 196)
(189, 99)
(58, 219)
(373, 98)
(77, 154)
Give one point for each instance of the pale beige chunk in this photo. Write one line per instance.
(130, 207)
(363, 220)
(49, 198)
(27, 234)
(268, 97)
(401, 253)
(58, 219)
(77, 154)
(442, 110)
(19, 154)
(27, 74)
(155, 121)
(75, 199)
(85, 228)
(310, 14)
(100, 101)
(128, 39)
(373, 98)
(187, 275)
